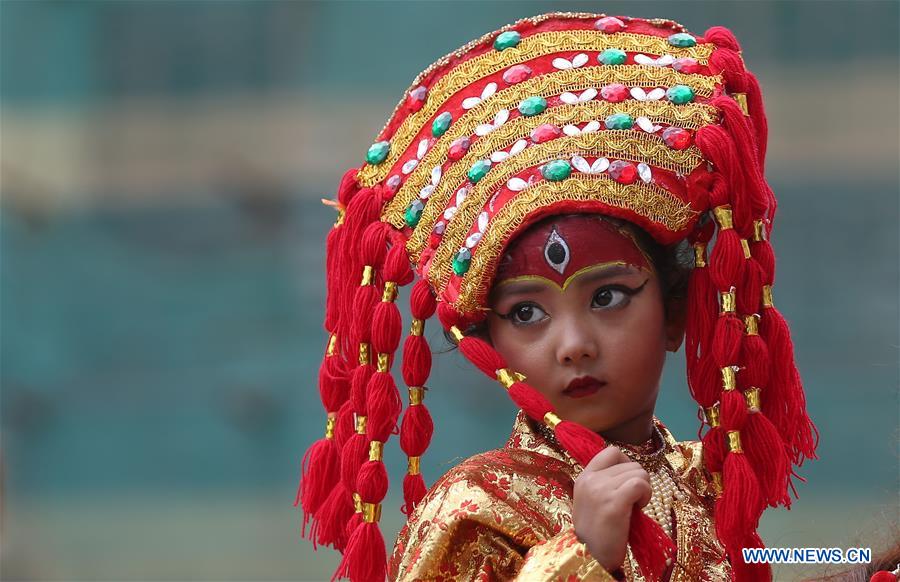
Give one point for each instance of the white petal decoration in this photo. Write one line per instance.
(461, 195)
(425, 192)
(409, 166)
(473, 239)
(645, 124)
(501, 117)
(516, 184)
(393, 181)
(591, 127)
(599, 166)
(482, 221)
(571, 130)
(569, 98)
(638, 93)
(579, 60)
(499, 156)
(581, 164)
(493, 199)
(587, 94)
(450, 213)
(489, 90)
(435, 175)
(423, 148)
(645, 60)
(561, 63)
(518, 147)
(470, 102)
(484, 129)
(656, 94)
(665, 60)
(644, 172)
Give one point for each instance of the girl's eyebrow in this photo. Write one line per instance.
(529, 284)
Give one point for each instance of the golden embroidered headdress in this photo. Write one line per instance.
(560, 113)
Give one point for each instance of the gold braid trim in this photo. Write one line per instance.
(691, 115)
(533, 20)
(653, 202)
(545, 85)
(650, 201)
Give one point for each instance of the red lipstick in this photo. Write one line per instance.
(583, 387)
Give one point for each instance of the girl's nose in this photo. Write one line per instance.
(576, 341)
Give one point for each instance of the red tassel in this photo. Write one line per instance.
(583, 444)
(414, 491)
(748, 572)
(732, 410)
(315, 485)
(765, 450)
(329, 529)
(739, 507)
(366, 557)
(650, 545)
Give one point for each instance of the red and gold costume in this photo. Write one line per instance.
(564, 113)
(507, 514)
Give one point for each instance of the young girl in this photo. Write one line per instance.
(542, 182)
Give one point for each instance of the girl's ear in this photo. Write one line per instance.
(676, 316)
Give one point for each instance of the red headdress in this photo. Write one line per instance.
(560, 113)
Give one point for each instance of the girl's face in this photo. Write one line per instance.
(577, 307)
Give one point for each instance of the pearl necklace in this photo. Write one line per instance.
(651, 455)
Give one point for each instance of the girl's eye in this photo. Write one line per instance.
(614, 297)
(525, 314)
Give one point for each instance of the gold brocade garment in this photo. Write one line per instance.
(507, 515)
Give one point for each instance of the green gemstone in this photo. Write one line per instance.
(478, 170)
(507, 39)
(378, 152)
(532, 106)
(619, 121)
(680, 94)
(413, 213)
(682, 40)
(556, 170)
(612, 56)
(461, 261)
(441, 124)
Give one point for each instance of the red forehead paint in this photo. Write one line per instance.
(560, 247)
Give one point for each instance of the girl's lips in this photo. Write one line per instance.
(583, 387)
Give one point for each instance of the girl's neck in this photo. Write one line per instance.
(637, 431)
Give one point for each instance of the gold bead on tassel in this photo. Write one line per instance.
(384, 362)
(723, 216)
(332, 345)
(363, 354)
(734, 441)
(699, 255)
(727, 302)
(367, 275)
(412, 465)
(390, 292)
(371, 512)
(376, 450)
(741, 99)
(751, 322)
(417, 327)
(457, 335)
(759, 231)
(767, 296)
(746, 246)
(717, 483)
(329, 426)
(752, 397)
(729, 381)
(416, 395)
(360, 424)
(712, 415)
(551, 420)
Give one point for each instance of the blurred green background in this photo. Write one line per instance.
(162, 267)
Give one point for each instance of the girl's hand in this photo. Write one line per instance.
(605, 495)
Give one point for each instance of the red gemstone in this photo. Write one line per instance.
(516, 74)
(459, 148)
(623, 172)
(545, 132)
(609, 25)
(615, 93)
(686, 65)
(416, 98)
(676, 138)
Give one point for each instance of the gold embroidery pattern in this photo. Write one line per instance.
(507, 513)
(626, 144)
(689, 116)
(544, 85)
(652, 202)
(533, 20)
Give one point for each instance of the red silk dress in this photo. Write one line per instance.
(507, 515)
